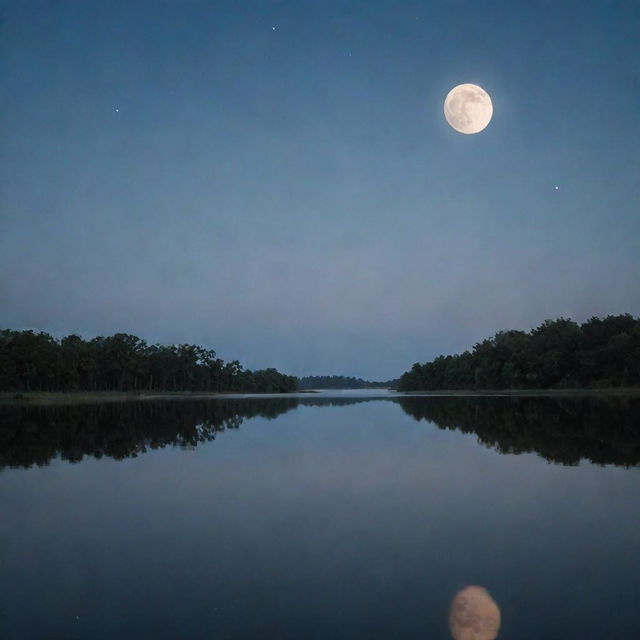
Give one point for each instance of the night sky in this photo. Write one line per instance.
(276, 180)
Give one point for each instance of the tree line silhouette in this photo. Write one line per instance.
(562, 430)
(557, 354)
(32, 361)
(342, 382)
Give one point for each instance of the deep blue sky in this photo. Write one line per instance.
(293, 196)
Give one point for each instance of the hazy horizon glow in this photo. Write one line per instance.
(294, 197)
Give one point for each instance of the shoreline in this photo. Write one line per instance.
(85, 397)
(595, 391)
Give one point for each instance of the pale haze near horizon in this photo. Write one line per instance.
(293, 197)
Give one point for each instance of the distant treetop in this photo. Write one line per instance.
(342, 382)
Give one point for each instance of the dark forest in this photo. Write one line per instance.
(600, 353)
(32, 361)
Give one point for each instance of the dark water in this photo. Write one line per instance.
(319, 518)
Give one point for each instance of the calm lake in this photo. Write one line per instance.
(344, 515)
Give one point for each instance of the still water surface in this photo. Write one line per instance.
(319, 517)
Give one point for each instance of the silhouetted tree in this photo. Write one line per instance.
(342, 382)
(557, 354)
(37, 362)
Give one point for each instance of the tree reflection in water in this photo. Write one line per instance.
(603, 430)
(35, 434)
(565, 430)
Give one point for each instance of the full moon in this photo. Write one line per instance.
(468, 108)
